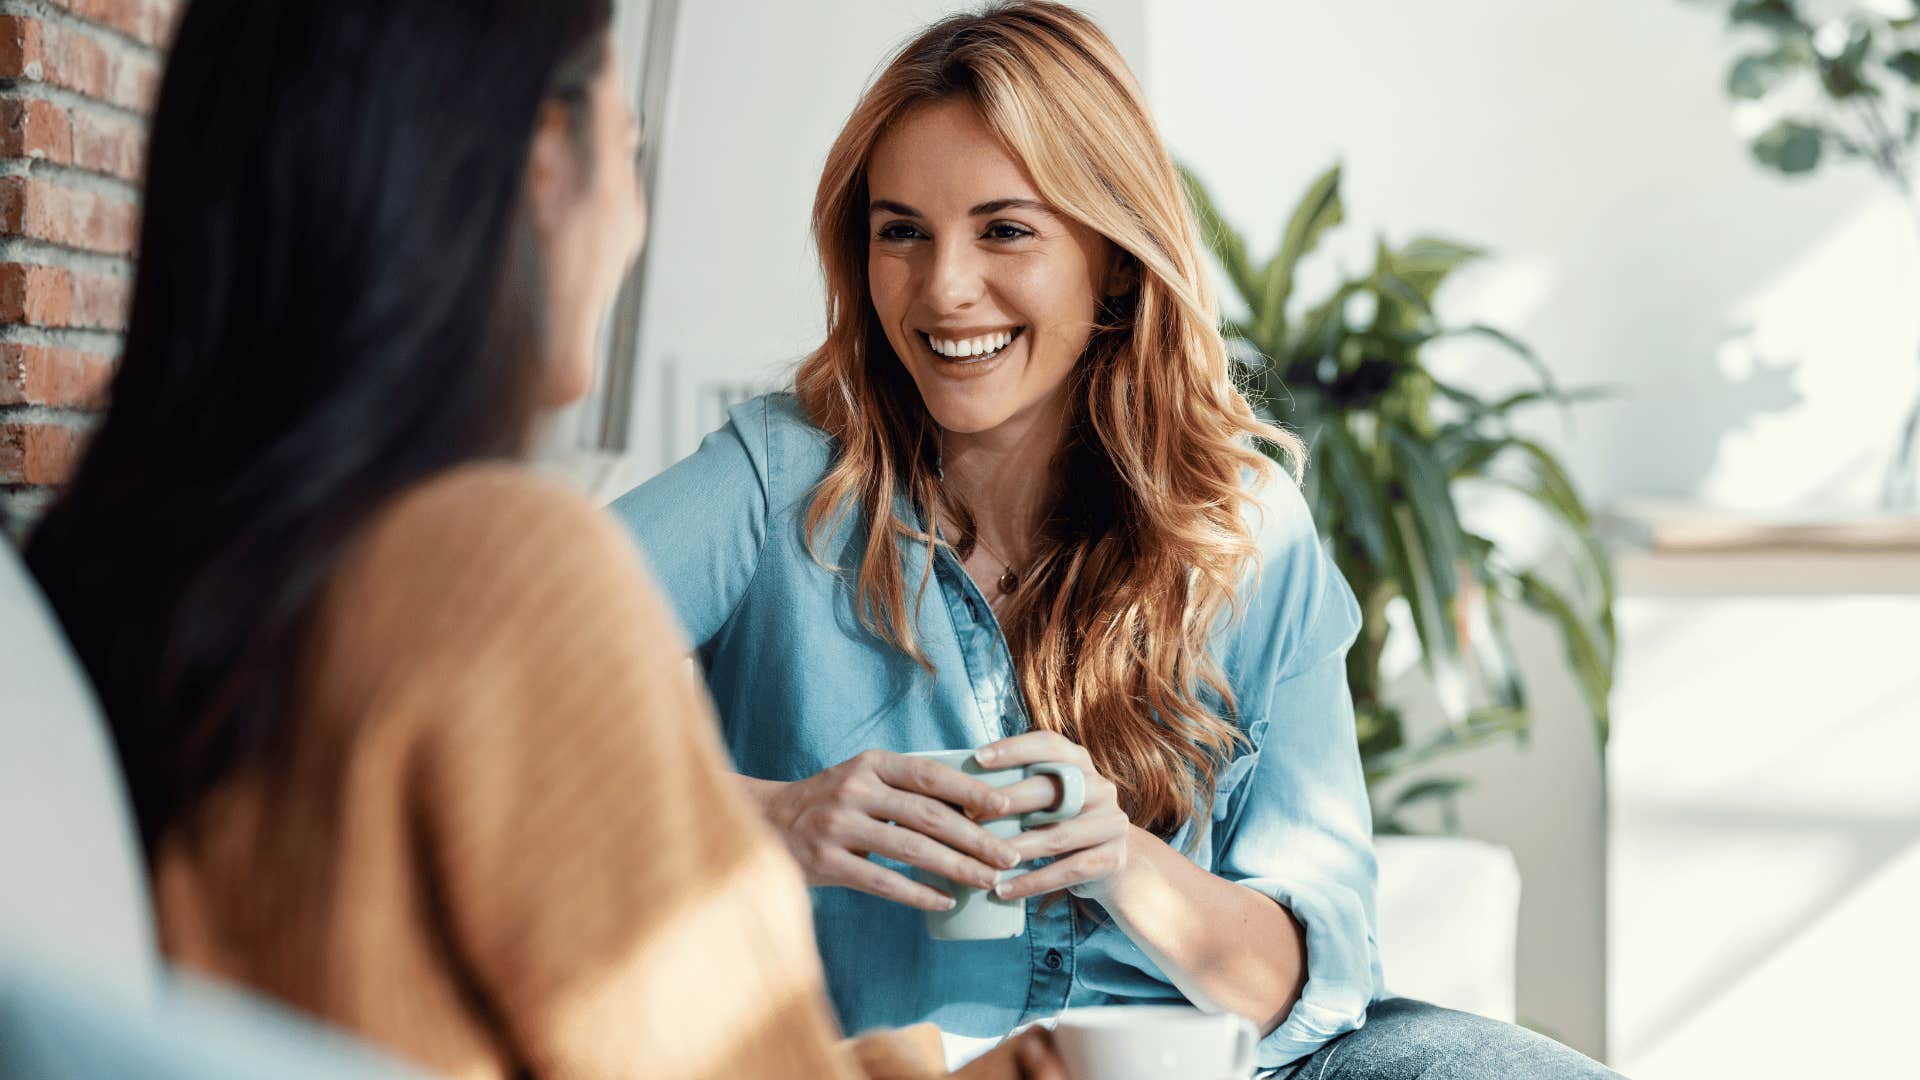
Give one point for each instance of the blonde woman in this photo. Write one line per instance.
(1016, 504)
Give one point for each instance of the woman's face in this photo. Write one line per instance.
(988, 295)
(588, 210)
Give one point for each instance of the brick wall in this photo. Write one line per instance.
(76, 80)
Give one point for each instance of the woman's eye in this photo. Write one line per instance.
(1001, 230)
(898, 231)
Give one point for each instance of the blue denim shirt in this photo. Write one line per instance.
(801, 686)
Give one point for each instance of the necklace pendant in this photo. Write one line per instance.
(1009, 581)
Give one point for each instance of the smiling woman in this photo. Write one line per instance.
(988, 304)
(1018, 506)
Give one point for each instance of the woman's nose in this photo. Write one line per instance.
(954, 278)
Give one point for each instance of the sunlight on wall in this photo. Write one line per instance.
(1765, 849)
(1825, 351)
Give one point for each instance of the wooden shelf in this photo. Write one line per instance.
(1672, 528)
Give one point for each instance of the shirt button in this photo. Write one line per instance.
(1053, 960)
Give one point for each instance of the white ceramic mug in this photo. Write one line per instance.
(1152, 1042)
(977, 914)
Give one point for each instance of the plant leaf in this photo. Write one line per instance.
(1361, 502)
(1754, 77)
(1221, 238)
(1906, 64)
(1790, 146)
(1772, 14)
(1319, 210)
(1592, 669)
(1432, 559)
(1425, 263)
(1443, 788)
(1488, 640)
(1482, 726)
(1321, 326)
(1844, 75)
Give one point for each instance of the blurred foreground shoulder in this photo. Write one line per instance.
(493, 552)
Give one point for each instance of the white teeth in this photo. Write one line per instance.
(969, 347)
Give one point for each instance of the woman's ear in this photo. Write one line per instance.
(553, 166)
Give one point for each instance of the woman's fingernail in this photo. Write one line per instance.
(985, 757)
(946, 903)
(1009, 859)
(1004, 892)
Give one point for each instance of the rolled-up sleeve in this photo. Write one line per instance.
(702, 524)
(1296, 825)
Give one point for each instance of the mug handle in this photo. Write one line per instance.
(1246, 1041)
(1073, 792)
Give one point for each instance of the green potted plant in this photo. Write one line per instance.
(1391, 447)
(1826, 81)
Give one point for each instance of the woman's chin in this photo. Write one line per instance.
(565, 382)
(966, 417)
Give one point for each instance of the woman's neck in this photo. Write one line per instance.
(1006, 478)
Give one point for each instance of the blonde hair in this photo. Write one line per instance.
(1111, 626)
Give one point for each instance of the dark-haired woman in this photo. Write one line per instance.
(404, 726)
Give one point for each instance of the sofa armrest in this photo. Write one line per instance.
(1449, 920)
(52, 1029)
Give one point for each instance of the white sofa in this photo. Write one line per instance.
(1449, 920)
(84, 993)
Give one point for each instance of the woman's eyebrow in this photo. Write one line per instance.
(996, 205)
(992, 206)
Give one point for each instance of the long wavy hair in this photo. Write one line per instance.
(339, 295)
(1147, 543)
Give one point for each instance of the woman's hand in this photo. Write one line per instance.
(1090, 849)
(901, 807)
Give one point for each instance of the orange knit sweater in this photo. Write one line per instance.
(501, 839)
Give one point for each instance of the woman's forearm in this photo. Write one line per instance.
(1226, 947)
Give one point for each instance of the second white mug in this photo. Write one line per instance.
(1152, 1042)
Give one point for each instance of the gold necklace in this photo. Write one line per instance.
(1009, 578)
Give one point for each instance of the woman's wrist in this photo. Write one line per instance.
(1121, 893)
(762, 793)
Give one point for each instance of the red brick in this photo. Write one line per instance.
(38, 51)
(99, 302)
(46, 210)
(44, 375)
(54, 297)
(36, 295)
(31, 128)
(32, 452)
(104, 143)
(150, 21)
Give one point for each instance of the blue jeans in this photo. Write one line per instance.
(1404, 1039)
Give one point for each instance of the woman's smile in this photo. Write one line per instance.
(969, 355)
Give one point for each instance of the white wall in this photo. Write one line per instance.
(1590, 145)
(760, 88)
(1766, 830)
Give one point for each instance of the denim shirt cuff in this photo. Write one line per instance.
(1339, 959)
